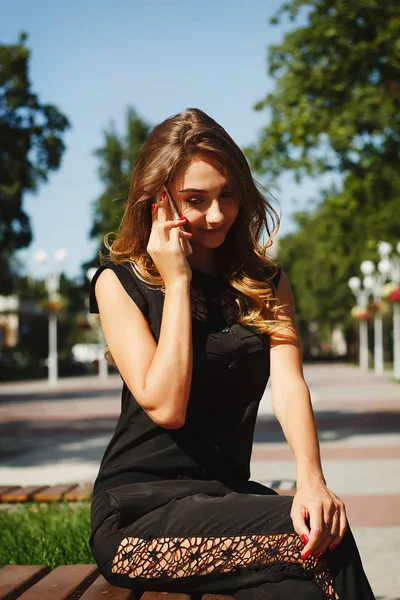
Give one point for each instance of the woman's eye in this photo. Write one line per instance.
(199, 200)
(195, 200)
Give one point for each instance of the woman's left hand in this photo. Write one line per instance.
(319, 517)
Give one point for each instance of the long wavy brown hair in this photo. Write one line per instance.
(167, 151)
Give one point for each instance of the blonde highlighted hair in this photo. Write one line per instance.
(167, 151)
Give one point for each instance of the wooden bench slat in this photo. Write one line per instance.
(15, 579)
(71, 492)
(164, 596)
(70, 582)
(22, 494)
(101, 589)
(217, 597)
(63, 583)
(4, 489)
(54, 493)
(79, 492)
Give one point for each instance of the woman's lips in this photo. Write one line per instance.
(215, 230)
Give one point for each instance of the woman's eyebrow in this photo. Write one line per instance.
(196, 191)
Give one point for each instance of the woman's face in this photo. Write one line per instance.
(208, 200)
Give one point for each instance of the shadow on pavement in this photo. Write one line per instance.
(51, 396)
(340, 425)
(34, 443)
(37, 442)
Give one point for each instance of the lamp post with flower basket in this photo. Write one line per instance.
(372, 283)
(53, 305)
(389, 267)
(361, 313)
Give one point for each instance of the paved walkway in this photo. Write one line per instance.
(58, 436)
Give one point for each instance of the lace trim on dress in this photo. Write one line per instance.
(177, 557)
(229, 307)
(199, 306)
(198, 301)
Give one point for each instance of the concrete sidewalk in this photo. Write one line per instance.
(58, 436)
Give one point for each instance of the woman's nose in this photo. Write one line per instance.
(214, 214)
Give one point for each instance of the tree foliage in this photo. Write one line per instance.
(117, 156)
(31, 145)
(336, 104)
(332, 241)
(335, 107)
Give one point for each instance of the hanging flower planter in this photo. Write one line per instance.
(378, 307)
(395, 296)
(359, 313)
(391, 291)
(54, 305)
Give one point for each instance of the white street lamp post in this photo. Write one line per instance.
(373, 285)
(389, 267)
(103, 366)
(378, 344)
(362, 300)
(52, 286)
(396, 340)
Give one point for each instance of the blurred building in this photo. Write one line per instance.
(9, 321)
(14, 314)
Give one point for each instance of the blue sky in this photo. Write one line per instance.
(93, 59)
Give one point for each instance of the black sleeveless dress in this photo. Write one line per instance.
(174, 510)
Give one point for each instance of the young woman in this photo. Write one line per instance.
(195, 337)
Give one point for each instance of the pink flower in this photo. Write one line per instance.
(395, 295)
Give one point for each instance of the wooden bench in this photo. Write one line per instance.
(72, 582)
(73, 492)
(69, 582)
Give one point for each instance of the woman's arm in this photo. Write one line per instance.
(314, 505)
(158, 375)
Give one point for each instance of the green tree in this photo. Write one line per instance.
(31, 145)
(117, 156)
(336, 103)
(335, 107)
(331, 241)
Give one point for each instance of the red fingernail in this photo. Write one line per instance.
(317, 555)
(304, 538)
(163, 196)
(153, 206)
(333, 547)
(306, 554)
(182, 219)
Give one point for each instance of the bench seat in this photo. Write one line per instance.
(72, 582)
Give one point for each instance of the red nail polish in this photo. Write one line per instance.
(306, 554)
(333, 547)
(183, 219)
(317, 555)
(304, 538)
(163, 196)
(153, 206)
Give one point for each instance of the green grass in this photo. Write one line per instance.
(53, 534)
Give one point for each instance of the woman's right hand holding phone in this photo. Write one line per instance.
(164, 244)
